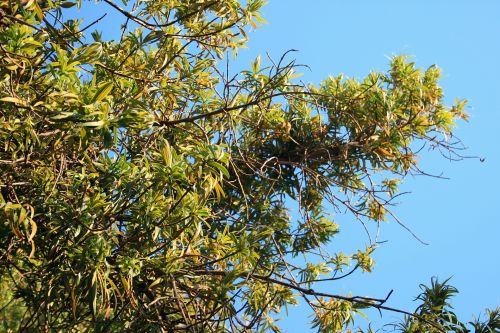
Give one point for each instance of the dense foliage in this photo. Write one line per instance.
(145, 188)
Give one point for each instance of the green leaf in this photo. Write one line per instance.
(63, 115)
(97, 123)
(219, 167)
(103, 91)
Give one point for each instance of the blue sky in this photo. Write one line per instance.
(458, 217)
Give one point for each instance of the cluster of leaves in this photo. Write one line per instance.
(144, 188)
(435, 313)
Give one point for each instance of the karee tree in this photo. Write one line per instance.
(144, 188)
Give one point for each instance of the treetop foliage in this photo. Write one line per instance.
(145, 188)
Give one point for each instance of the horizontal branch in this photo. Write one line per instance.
(368, 302)
(151, 26)
(227, 109)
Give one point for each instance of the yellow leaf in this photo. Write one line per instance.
(13, 100)
(113, 285)
(125, 283)
(219, 191)
(33, 230)
(167, 154)
(32, 250)
(384, 152)
(103, 91)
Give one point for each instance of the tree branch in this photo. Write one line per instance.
(368, 302)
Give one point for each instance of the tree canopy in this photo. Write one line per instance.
(146, 188)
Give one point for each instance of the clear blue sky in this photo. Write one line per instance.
(460, 217)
